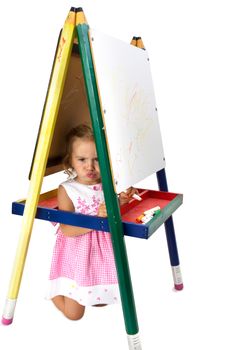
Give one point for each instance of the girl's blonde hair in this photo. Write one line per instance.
(82, 131)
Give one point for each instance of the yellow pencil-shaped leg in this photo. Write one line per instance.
(40, 160)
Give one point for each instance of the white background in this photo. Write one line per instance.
(190, 49)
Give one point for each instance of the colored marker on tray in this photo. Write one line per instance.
(148, 215)
(152, 211)
(139, 218)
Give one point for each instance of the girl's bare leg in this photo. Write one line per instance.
(69, 307)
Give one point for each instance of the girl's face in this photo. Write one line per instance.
(85, 162)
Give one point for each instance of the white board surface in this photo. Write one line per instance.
(129, 109)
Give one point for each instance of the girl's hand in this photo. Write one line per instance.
(102, 211)
(125, 197)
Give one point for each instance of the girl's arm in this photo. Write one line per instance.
(65, 203)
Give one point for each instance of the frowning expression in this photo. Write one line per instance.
(85, 162)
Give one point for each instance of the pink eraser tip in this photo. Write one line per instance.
(7, 321)
(179, 286)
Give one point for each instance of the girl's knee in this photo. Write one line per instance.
(74, 315)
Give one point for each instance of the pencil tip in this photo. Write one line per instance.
(134, 41)
(80, 17)
(76, 9)
(140, 43)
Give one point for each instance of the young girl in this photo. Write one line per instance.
(83, 270)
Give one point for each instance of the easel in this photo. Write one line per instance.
(76, 21)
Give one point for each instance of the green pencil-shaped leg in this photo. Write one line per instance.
(111, 200)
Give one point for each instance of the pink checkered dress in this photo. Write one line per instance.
(83, 267)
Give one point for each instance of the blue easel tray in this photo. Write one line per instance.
(167, 201)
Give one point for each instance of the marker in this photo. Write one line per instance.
(152, 210)
(146, 219)
(139, 218)
(143, 219)
(137, 197)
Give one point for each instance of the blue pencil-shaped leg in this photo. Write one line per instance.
(171, 238)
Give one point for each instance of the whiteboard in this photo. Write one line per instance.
(128, 108)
